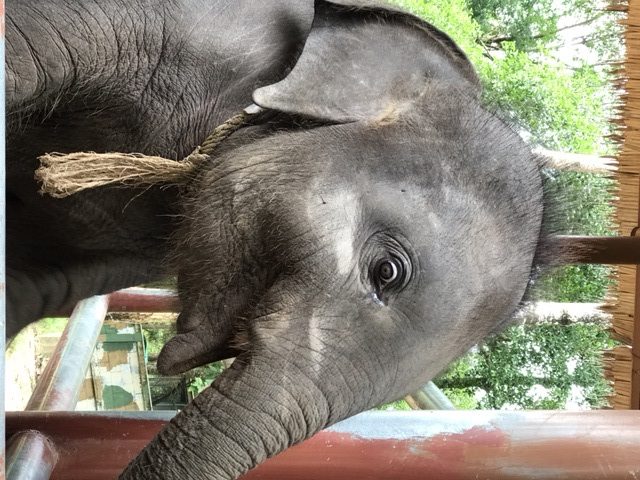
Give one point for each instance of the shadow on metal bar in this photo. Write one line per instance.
(447, 445)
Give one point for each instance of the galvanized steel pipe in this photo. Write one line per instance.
(430, 397)
(31, 456)
(59, 385)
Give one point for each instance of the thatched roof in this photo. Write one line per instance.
(618, 362)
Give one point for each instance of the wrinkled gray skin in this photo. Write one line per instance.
(374, 161)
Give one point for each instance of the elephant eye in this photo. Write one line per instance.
(388, 272)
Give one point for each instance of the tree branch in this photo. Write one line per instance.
(511, 38)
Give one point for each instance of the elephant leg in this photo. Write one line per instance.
(48, 289)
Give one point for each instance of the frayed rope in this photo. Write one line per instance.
(62, 175)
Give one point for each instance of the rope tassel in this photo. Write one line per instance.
(62, 175)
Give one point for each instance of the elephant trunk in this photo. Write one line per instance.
(253, 411)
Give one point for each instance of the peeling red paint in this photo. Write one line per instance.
(468, 446)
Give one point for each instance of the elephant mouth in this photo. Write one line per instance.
(200, 346)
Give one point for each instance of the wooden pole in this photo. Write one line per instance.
(578, 162)
(570, 249)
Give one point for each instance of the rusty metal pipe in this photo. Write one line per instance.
(144, 300)
(443, 445)
(59, 385)
(32, 456)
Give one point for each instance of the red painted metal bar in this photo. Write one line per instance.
(144, 300)
(447, 445)
(30, 455)
(568, 248)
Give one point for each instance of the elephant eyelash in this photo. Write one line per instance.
(376, 299)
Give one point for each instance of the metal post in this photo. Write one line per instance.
(430, 397)
(59, 384)
(140, 300)
(442, 445)
(32, 456)
(2, 244)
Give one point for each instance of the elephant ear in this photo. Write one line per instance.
(366, 63)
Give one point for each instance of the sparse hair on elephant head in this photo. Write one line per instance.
(347, 262)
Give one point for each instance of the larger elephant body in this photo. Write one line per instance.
(104, 77)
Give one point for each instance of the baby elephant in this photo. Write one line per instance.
(369, 226)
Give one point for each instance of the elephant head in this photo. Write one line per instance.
(347, 262)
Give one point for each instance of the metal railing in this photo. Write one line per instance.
(440, 445)
(31, 455)
(385, 445)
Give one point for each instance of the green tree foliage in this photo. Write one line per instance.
(523, 22)
(560, 108)
(155, 338)
(540, 366)
(585, 209)
(201, 377)
(532, 23)
(574, 283)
